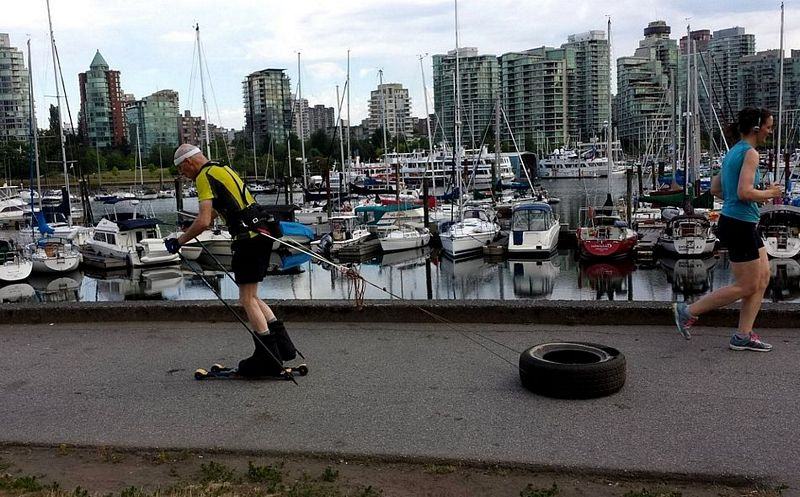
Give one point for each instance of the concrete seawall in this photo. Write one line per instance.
(575, 313)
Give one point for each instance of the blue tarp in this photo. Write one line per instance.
(289, 228)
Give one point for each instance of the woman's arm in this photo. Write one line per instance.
(746, 191)
(716, 186)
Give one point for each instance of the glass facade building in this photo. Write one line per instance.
(14, 88)
(268, 105)
(101, 119)
(156, 118)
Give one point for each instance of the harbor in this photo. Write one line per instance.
(424, 273)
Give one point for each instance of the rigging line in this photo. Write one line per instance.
(69, 112)
(216, 104)
(479, 156)
(356, 275)
(190, 99)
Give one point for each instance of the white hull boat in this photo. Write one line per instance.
(534, 230)
(687, 236)
(405, 238)
(467, 237)
(780, 230)
(15, 269)
(55, 258)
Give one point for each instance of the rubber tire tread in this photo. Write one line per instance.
(573, 381)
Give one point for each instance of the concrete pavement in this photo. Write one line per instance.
(404, 390)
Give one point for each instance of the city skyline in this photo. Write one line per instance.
(239, 41)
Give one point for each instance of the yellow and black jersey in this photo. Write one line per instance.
(227, 192)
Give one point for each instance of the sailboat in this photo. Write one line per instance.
(13, 267)
(50, 253)
(602, 232)
(475, 227)
(689, 234)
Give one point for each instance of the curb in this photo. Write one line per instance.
(572, 313)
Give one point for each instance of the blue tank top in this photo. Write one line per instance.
(731, 168)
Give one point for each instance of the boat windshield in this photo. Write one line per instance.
(529, 220)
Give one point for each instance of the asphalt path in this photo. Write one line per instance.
(410, 390)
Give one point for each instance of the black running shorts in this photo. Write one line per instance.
(251, 259)
(741, 238)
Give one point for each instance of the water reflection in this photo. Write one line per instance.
(57, 288)
(608, 279)
(534, 278)
(689, 277)
(139, 284)
(17, 293)
(785, 281)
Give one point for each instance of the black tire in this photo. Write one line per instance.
(302, 369)
(572, 370)
(200, 374)
(216, 368)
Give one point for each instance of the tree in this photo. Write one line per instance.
(377, 138)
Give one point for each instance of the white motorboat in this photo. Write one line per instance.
(780, 230)
(687, 236)
(130, 237)
(534, 229)
(346, 232)
(166, 194)
(13, 266)
(470, 234)
(52, 255)
(405, 238)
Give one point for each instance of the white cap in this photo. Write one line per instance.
(184, 152)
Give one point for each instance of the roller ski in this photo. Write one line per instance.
(267, 362)
(218, 371)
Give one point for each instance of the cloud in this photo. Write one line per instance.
(184, 36)
(149, 41)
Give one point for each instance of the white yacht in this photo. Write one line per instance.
(347, 232)
(469, 235)
(534, 229)
(13, 266)
(404, 238)
(130, 237)
(687, 236)
(780, 230)
(53, 255)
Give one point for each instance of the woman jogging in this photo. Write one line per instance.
(737, 230)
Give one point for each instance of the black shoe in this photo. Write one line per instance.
(262, 362)
(285, 346)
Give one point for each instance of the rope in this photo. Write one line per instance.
(360, 283)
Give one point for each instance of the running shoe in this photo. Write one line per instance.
(749, 342)
(683, 319)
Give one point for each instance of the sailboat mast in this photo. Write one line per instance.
(255, 164)
(609, 133)
(34, 127)
(300, 118)
(60, 120)
(384, 121)
(349, 157)
(675, 129)
(341, 138)
(428, 124)
(778, 155)
(688, 136)
(203, 90)
(139, 158)
(457, 123)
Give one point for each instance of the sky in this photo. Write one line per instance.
(151, 42)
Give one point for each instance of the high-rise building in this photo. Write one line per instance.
(320, 118)
(759, 78)
(191, 129)
(588, 91)
(535, 95)
(643, 101)
(390, 104)
(479, 81)
(14, 88)
(101, 119)
(725, 50)
(155, 118)
(268, 105)
(300, 110)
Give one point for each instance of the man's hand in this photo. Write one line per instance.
(172, 244)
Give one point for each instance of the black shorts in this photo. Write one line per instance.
(250, 260)
(741, 238)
